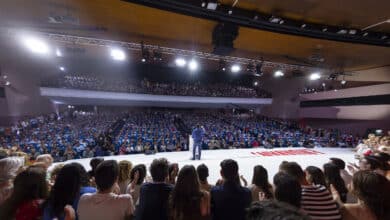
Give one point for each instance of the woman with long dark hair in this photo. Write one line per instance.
(71, 182)
(187, 200)
(137, 177)
(332, 177)
(315, 176)
(260, 186)
(30, 190)
(373, 193)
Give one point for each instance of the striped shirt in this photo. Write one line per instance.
(318, 203)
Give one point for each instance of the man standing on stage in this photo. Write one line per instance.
(197, 135)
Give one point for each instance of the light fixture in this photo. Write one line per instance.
(365, 34)
(58, 53)
(203, 4)
(235, 68)
(36, 45)
(7, 83)
(180, 62)
(315, 76)
(230, 12)
(323, 84)
(118, 54)
(143, 60)
(352, 31)
(274, 19)
(278, 73)
(343, 82)
(324, 29)
(193, 65)
(212, 5)
(303, 25)
(255, 83)
(342, 31)
(223, 68)
(62, 68)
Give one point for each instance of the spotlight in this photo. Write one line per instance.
(5, 77)
(62, 68)
(230, 12)
(256, 83)
(315, 76)
(324, 29)
(365, 34)
(352, 31)
(117, 54)
(193, 65)
(222, 65)
(235, 68)
(143, 60)
(274, 19)
(323, 84)
(384, 37)
(58, 53)
(343, 82)
(281, 22)
(223, 69)
(342, 31)
(180, 62)
(36, 45)
(7, 83)
(212, 5)
(278, 73)
(303, 25)
(203, 4)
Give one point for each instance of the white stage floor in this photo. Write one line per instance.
(246, 158)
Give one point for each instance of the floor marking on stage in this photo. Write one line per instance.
(286, 152)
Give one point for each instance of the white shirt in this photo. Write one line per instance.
(98, 206)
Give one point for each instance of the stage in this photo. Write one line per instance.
(246, 158)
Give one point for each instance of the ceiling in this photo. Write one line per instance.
(119, 20)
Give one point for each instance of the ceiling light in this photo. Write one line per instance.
(143, 60)
(62, 68)
(203, 4)
(235, 68)
(223, 69)
(58, 53)
(324, 29)
(256, 83)
(383, 37)
(274, 19)
(230, 12)
(323, 84)
(365, 34)
(342, 31)
(278, 73)
(117, 54)
(281, 22)
(315, 76)
(180, 62)
(343, 82)
(352, 31)
(303, 25)
(193, 65)
(7, 83)
(36, 45)
(212, 5)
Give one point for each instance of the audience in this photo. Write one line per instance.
(287, 189)
(229, 200)
(9, 168)
(315, 176)
(343, 173)
(188, 201)
(153, 199)
(373, 193)
(29, 192)
(203, 173)
(271, 210)
(71, 182)
(173, 172)
(332, 177)
(316, 200)
(104, 204)
(124, 175)
(260, 187)
(137, 177)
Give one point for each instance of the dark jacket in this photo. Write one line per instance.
(229, 201)
(153, 201)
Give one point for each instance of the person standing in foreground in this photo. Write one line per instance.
(105, 204)
(229, 200)
(197, 135)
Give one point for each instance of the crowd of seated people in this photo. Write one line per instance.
(147, 131)
(117, 191)
(225, 131)
(146, 86)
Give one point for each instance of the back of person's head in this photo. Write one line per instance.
(106, 174)
(159, 169)
(272, 210)
(124, 170)
(9, 167)
(229, 171)
(260, 179)
(338, 162)
(47, 159)
(66, 188)
(29, 185)
(287, 189)
(203, 172)
(3, 154)
(332, 176)
(141, 169)
(94, 162)
(293, 169)
(186, 195)
(374, 190)
(315, 176)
